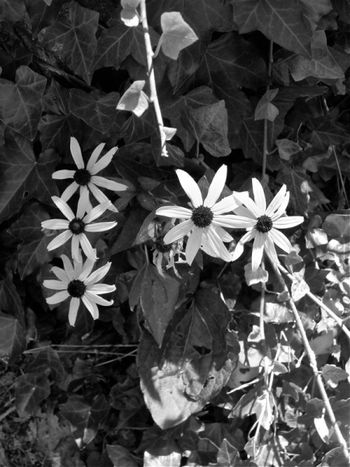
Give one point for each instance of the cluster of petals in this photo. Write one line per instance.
(77, 282)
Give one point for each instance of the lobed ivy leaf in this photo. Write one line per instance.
(177, 34)
(12, 337)
(129, 14)
(10, 300)
(21, 103)
(120, 456)
(31, 390)
(12, 10)
(265, 110)
(284, 24)
(333, 375)
(134, 99)
(72, 39)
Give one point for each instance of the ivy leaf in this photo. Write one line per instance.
(12, 337)
(129, 14)
(12, 10)
(287, 148)
(33, 249)
(210, 128)
(10, 300)
(95, 110)
(120, 456)
(281, 23)
(134, 99)
(72, 38)
(265, 110)
(333, 375)
(31, 390)
(46, 359)
(21, 103)
(177, 34)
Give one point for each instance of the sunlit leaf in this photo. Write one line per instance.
(134, 99)
(265, 110)
(333, 375)
(177, 34)
(129, 14)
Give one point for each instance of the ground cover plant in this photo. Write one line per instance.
(175, 235)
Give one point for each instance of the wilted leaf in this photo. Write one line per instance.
(21, 103)
(177, 34)
(31, 390)
(134, 99)
(120, 456)
(72, 38)
(265, 110)
(12, 338)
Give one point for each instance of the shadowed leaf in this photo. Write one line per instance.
(12, 339)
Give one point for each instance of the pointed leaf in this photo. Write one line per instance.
(129, 14)
(31, 390)
(177, 34)
(12, 338)
(120, 456)
(134, 99)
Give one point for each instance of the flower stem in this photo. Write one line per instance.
(313, 365)
(262, 311)
(153, 98)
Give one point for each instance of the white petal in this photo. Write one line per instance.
(216, 187)
(216, 244)
(258, 250)
(99, 195)
(59, 240)
(288, 221)
(271, 250)
(193, 244)
(63, 174)
(63, 207)
(225, 236)
(84, 204)
(101, 289)
(87, 248)
(250, 204)
(227, 204)
(76, 153)
(190, 187)
(78, 265)
(99, 300)
(73, 310)
(177, 212)
(96, 212)
(97, 275)
(91, 306)
(68, 268)
(55, 224)
(75, 249)
(259, 195)
(282, 207)
(69, 191)
(244, 212)
(108, 184)
(57, 297)
(86, 270)
(55, 285)
(100, 226)
(240, 245)
(236, 222)
(94, 156)
(104, 161)
(178, 231)
(276, 201)
(281, 240)
(61, 274)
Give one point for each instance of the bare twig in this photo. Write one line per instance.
(152, 82)
(261, 314)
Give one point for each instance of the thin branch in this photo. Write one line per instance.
(152, 82)
(340, 175)
(313, 365)
(265, 144)
(262, 312)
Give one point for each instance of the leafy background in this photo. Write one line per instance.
(264, 76)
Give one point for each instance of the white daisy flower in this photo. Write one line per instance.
(77, 282)
(262, 223)
(205, 221)
(85, 178)
(75, 226)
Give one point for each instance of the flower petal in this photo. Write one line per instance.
(240, 245)
(216, 245)
(249, 204)
(282, 207)
(276, 201)
(96, 212)
(99, 300)
(84, 204)
(244, 212)
(97, 275)
(94, 156)
(100, 226)
(68, 268)
(57, 297)
(55, 285)
(216, 187)
(69, 191)
(87, 248)
(101, 289)
(108, 184)
(176, 212)
(190, 187)
(63, 207)
(100, 196)
(104, 161)
(76, 153)
(258, 250)
(55, 224)
(227, 204)
(61, 274)
(86, 270)
(91, 306)
(259, 195)
(59, 240)
(271, 250)
(63, 174)
(236, 222)
(178, 232)
(225, 236)
(75, 249)
(73, 310)
(288, 221)
(281, 240)
(193, 244)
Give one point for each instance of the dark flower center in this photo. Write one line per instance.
(76, 288)
(202, 216)
(77, 226)
(264, 224)
(82, 176)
